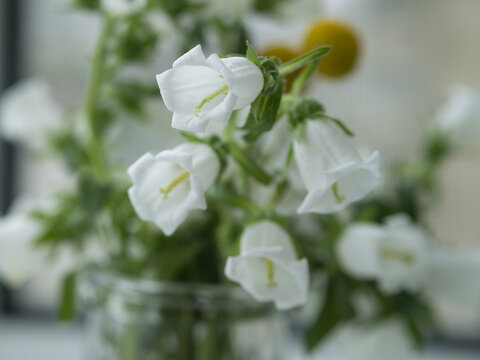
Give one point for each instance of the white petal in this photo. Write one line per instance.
(205, 163)
(193, 57)
(248, 80)
(404, 237)
(358, 249)
(291, 279)
(223, 111)
(19, 260)
(354, 181)
(216, 63)
(183, 88)
(268, 239)
(150, 175)
(137, 170)
(324, 147)
(189, 122)
(242, 116)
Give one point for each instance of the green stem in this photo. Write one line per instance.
(303, 77)
(277, 195)
(91, 102)
(224, 197)
(298, 62)
(248, 164)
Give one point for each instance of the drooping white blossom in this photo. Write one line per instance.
(28, 113)
(459, 118)
(199, 90)
(173, 182)
(19, 260)
(394, 254)
(123, 7)
(332, 170)
(267, 266)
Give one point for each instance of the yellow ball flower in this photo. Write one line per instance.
(284, 53)
(343, 40)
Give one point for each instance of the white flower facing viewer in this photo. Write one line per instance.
(267, 266)
(28, 113)
(332, 170)
(170, 184)
(199, 90)
(394, 254)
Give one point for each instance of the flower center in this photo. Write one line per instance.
(401, 256)
(173, 184)
(210, 97)
(270, 273)
(338, 198)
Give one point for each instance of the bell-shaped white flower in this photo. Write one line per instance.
(173, 182)
(394, 254)
(199, 90)
(332, 170)
(459, 118)
(19, 261)
(267, 266)
(28, 113)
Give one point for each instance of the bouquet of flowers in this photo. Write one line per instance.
(265, 190)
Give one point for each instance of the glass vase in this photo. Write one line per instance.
(137, 319)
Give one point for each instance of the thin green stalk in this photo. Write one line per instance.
(92, 96)
(236, 201)
(249, 164)
(303, 77)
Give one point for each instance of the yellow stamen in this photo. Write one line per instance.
(270, 273)
(175, 182)
(338, 198)
(210, 97)
(400, 256)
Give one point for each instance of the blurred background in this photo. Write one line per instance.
(413, 51)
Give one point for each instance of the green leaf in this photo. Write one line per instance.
(303, 109)
(252, 54)
(86, 4)
(93, 195)
(264, 110)
(298, 62)
(67, 303)
(71, 149)
(170, 261)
